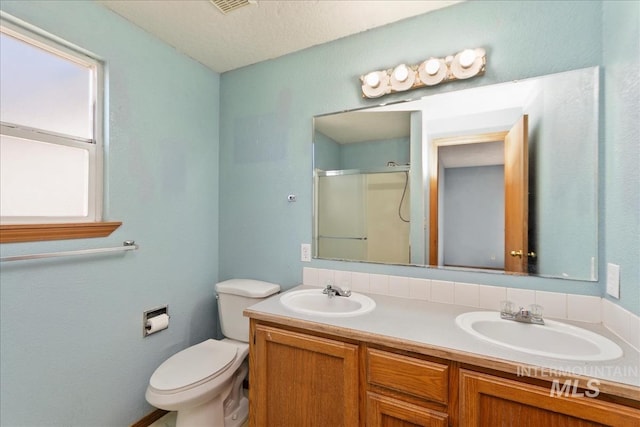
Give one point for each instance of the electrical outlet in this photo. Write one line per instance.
(305, 252)
(613, 280)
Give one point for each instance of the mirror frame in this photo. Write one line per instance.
(593, 181)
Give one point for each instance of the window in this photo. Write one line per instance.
(51, 132)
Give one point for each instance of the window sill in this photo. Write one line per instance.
(15, 233)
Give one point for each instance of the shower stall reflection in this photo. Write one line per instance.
(363, 215)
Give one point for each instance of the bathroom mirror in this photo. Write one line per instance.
(501, 178)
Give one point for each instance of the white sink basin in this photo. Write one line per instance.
(553, 339)
(313, 301)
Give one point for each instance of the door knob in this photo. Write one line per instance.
(519, 254)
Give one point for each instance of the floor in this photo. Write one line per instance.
(169, 420)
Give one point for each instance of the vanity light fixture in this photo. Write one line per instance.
(375, 84)
(372, 79)
(401, 73)
(402, 78)
(432, 66)
(467, 63)
(463, 65)
(432, 71)
(467, 57)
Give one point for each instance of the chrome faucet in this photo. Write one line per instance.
(331, 291)
(532, 315)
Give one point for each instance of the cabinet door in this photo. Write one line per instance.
(384, 411)
(489, 401)
(302, 380)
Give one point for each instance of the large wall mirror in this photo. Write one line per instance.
(500, 178)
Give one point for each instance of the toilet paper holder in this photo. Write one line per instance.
(147, 317)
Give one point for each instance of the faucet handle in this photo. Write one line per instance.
(507, 307)
(345, 285)
(535, 310)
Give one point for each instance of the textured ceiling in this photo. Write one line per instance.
(264, 30)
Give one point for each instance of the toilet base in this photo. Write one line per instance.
(209, 414)
(205, 416)
(240, 415)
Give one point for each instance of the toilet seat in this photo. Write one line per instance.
(193, 366)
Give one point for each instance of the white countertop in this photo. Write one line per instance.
(432, 325)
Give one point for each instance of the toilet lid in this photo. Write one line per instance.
(193, 364)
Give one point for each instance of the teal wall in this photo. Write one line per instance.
(326, 152)
(261, 233)
(329, 155)
(72, 351)
(374, 154)
(621, 171)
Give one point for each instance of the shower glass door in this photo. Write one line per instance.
(363, 217)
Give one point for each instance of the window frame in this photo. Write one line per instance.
(21, 229)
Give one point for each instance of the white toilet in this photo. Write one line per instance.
(204, 382)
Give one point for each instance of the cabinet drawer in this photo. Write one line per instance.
(417, 377)
(384, 411)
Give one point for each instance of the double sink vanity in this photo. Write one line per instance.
(321, 359)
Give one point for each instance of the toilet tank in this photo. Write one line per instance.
(233, 297)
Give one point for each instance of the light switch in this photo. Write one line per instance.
(613, 280)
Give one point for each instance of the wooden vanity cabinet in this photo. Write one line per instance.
(488, 401)
(319, 380)
(298, 379)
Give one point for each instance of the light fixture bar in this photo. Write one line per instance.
(432, 71)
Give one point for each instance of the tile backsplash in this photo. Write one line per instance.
(584, 308)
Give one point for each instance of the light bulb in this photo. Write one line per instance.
(432, 66)
(401, 73)
(467, 57)
(372, 79)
